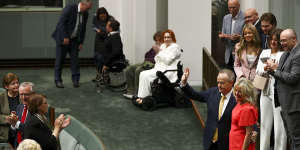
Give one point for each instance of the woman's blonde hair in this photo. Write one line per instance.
(29, 144)
(247, 90)
(243, 43)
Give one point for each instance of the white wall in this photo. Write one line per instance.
(138, 24)
(261, 6)
(286, 13)
(161, 15)
(191, 22)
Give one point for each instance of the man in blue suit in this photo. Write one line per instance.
(220, 103)
(69, 36)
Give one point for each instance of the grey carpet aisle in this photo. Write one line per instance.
(119, 124)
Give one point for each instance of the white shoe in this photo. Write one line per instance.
(129, 96)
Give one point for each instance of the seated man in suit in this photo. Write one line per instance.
(220, 102)
(113, 45)
(25, 90)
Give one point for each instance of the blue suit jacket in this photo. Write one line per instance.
(67, 22)
(19, 112)
(212, 98)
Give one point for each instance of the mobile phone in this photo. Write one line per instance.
(264, 59)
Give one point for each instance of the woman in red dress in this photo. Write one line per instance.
(244, 116)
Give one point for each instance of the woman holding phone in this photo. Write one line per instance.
(269, 105)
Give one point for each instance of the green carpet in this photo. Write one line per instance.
(119, 124)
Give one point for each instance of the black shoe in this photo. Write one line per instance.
(59, 84)
(76, 84)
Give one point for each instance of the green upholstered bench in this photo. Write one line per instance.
(78, 136)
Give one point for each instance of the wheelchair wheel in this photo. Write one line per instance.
(149, 103)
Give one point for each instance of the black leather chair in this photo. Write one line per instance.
(113, 78)
(165, 93)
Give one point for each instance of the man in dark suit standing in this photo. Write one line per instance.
(25, 90)
(251, 16)
(287, 85)
(268, 24)
(69, 36)
(113, 44)
(220, 103)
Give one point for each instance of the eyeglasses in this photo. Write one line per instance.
(284, 40)
(246, 17)
(25, 94)
(167, 37)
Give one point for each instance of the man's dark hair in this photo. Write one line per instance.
(269, 17)
(115, 25)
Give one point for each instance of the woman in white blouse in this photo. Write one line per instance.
(269, 109)
(166, 59)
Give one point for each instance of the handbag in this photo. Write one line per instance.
(260, 82)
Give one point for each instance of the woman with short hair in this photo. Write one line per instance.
(39, 128)
(9, 101)
(244, 116)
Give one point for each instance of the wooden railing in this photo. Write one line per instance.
(210, 70)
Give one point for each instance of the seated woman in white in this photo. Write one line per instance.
(166, 59)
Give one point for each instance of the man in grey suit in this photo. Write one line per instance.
(287, 86)
(232, 28)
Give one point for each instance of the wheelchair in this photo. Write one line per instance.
(165, 93)
(113, 78)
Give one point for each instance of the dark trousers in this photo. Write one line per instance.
(230, 64)
(98, 61)
(61, 53)
(292, 126)
(214, 146)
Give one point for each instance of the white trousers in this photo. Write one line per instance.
(268, 112)
(147, 77)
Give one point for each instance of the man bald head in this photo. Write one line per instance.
(288, 39)
(251, 16)
(233, 7)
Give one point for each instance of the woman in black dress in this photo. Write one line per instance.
(38, 127)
